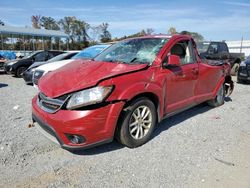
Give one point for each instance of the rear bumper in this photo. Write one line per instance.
(96, 126)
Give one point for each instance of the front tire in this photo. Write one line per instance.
(137, 123)
(219, 99)
(20, 71)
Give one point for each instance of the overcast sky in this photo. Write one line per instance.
(215, 20)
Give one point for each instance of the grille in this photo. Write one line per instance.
(48, 104)
(37, 75)
(7, 68)
(248, 67)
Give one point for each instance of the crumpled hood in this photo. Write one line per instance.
(80, 75)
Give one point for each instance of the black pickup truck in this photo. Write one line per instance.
(219, 51)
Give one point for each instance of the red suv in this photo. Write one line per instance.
(126, 90)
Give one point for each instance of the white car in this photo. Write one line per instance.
(87, 53)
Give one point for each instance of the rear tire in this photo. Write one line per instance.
(20, 71)
(136, 123)
(219, 99)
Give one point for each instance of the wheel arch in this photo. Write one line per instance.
(151, 96)
(229, 85)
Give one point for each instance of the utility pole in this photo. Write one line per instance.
(241, 44)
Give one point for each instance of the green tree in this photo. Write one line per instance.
(149, 31)
(77, 31)
(196, 36)
(139, 34)
(105, 34)
(49, 23)
(80, 29)
(172, 31)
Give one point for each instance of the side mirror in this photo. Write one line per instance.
(174, 60)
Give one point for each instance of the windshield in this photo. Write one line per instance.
(142, 50)
(202, 46)
(58, 57)
(90, 52)
(30, 55)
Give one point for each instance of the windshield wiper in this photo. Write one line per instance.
(138, 62)
(117, 61)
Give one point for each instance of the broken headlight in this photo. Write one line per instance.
(88, 97)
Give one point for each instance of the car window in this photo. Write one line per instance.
(213, 48)
(90, 52)
(133, 51)
(62, 57)
(51, 55)
(184, 50)
(42, 56)
(223, 47)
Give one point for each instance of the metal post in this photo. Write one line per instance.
(33, 42)
(20, 48)
(241, 44)
(43, 42)
(67, 40)
(12, 42)
(58, 43)
(51, 44)
(2, 40)
(24, 45)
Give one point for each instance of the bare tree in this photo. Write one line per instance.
(149, 31)
(35, 19)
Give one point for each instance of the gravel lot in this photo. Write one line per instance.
(201, 147)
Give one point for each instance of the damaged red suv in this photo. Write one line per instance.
(126, 90)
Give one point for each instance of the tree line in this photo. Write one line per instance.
(81, 34)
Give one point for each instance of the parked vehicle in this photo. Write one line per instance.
(87, 53)
(18, 66)
(244, 71)
(126, 90)
(2, 62)
(220, 51)
(28, 74)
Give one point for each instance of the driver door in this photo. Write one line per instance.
(181, 81)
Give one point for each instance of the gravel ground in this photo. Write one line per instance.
(201, 147)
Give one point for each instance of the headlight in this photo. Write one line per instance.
(32, 70)
(89, 96)
(243, 64)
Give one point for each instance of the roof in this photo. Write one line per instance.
(31, 31)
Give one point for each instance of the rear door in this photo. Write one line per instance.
(181, 81)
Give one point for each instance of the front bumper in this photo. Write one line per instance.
(244, 73)
(27, 76)
(9, 69)
(96, 126)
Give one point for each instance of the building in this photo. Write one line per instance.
(12, 33)
(239, 47)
